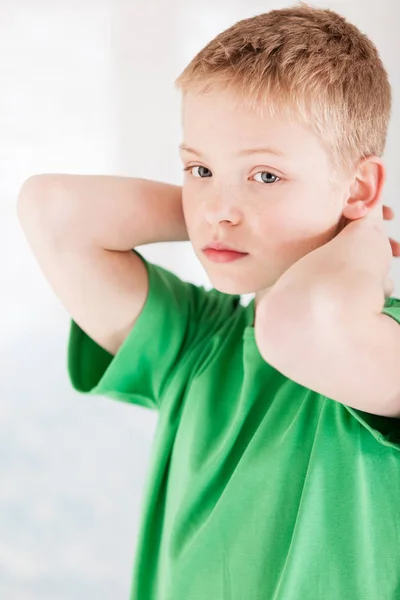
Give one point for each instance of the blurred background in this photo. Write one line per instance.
(87, 87)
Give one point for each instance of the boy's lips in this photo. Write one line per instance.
(220, 246)
(221, 253)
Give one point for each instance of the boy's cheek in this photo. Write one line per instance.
(284, 245)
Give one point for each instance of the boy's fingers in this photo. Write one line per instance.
(395, 247)
(389, 286)
(388, 213)
(376, 213)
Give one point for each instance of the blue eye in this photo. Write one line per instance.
(207, 173)
(267, 173)
(198, 167)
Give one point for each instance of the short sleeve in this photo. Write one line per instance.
(177, 318)
(385, 429)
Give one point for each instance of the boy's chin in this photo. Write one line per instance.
(231, 287)
(238, 287)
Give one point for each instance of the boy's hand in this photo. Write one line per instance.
(350, 273)
(388, 215)
(377, 217)
(321, 324)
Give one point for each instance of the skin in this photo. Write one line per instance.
(275, 208)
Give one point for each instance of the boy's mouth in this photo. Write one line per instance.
(220, 253)
(221, 246)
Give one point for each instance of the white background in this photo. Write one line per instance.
(87, 87)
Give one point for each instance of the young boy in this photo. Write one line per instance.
(275, 472)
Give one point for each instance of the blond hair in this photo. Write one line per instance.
(307, 64)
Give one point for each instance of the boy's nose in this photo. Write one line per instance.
(222, 209)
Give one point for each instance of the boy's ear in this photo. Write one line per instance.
(366, 188)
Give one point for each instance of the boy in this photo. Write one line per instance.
(263, 484)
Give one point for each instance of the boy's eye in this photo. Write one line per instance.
(204, 172)
(198, 167)
(267, 178)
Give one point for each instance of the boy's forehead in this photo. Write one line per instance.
(217, 112)
(213, 129)
(219, 103)
(211, 119)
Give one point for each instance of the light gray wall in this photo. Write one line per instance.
(86, 87)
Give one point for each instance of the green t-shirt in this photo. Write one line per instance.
(258, 488)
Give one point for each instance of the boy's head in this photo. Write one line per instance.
(306, 83)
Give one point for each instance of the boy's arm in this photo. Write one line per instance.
(82, 228)
(322, 326)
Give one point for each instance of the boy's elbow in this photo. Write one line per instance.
(38, 194)
(36, 186)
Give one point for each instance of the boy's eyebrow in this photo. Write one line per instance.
(245, 152)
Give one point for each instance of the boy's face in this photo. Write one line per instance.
(276, 209)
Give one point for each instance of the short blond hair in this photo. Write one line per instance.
(308, 64)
